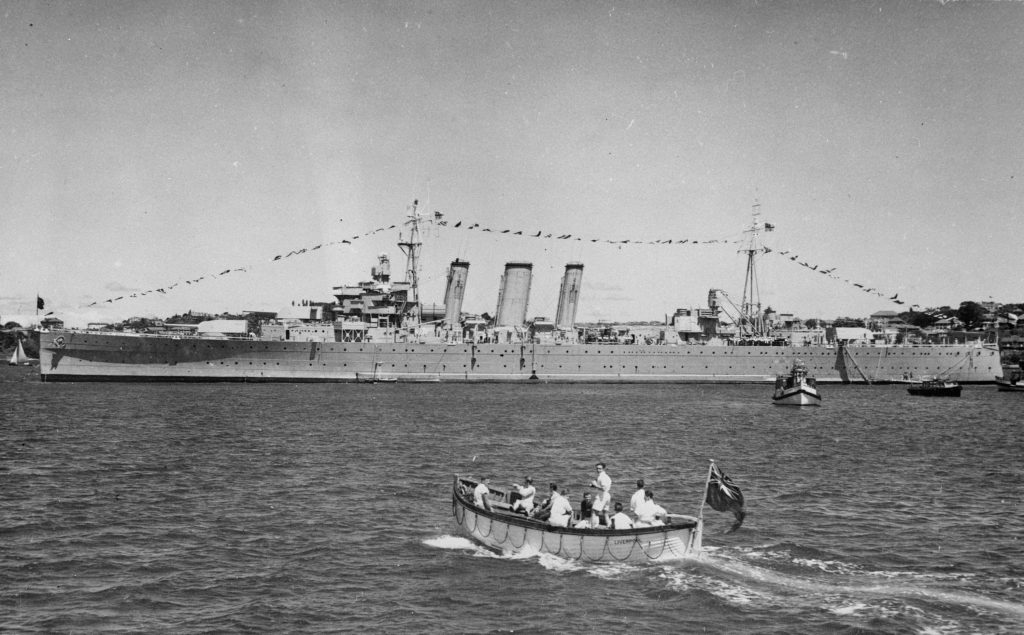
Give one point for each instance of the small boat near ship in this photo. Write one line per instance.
(1012, 379)
(500, 528)
(935, 388)
(796, 388)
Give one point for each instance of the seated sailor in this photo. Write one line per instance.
(524, 496)
(561, 509)
(620, 520)
(583, 521)
(480, 493)
(543, 511)
(599, 509)
(649, 513)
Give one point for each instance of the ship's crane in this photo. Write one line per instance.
(728, 307)
(748, 325)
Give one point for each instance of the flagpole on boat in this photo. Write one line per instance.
(697, 537)
(704, 497)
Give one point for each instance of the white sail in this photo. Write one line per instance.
(19, 358)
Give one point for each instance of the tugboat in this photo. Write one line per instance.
(935, 388)
(1012, 379)
(796, 388)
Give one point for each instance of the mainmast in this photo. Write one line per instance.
(751, 318)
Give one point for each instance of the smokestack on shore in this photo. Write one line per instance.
(569, 296)
(513, 294)
(458, 272)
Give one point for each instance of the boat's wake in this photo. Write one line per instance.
(458, 543)
(775, 578)
(546, 560)
(753, 577)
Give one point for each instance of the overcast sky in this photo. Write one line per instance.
(143, 145)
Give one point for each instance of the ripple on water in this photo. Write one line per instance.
(323, 508)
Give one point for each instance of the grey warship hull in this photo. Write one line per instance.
(95, 356)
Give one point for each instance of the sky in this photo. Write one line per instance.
(155, 145)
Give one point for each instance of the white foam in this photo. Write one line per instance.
(850, 610)
(522, 554)
(850, 590)
(457, 543)
(828, 566)
(554, 563)
(854, 584)
(612, 570)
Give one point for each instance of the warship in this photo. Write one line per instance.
(380, 329)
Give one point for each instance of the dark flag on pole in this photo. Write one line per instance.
(40, 304)
(725, 496)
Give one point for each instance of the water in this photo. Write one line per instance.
(326, 508)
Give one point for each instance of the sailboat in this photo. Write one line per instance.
(19, 358)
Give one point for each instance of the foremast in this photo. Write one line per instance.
(411, 245)
(411, 248)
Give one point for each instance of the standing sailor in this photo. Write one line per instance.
(603, 481)
(603, 499)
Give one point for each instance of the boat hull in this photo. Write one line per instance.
(1012, 379)
(947, 392)
(1009, 385)
(935, 390)
(513, 534)
(102, 356)
(797, 396)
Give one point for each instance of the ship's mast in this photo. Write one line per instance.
(751, 319)
(411, 249)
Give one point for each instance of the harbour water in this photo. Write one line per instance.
(326, 508)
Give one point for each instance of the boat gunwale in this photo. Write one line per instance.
(689, 523)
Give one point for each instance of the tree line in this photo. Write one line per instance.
(973, 315)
